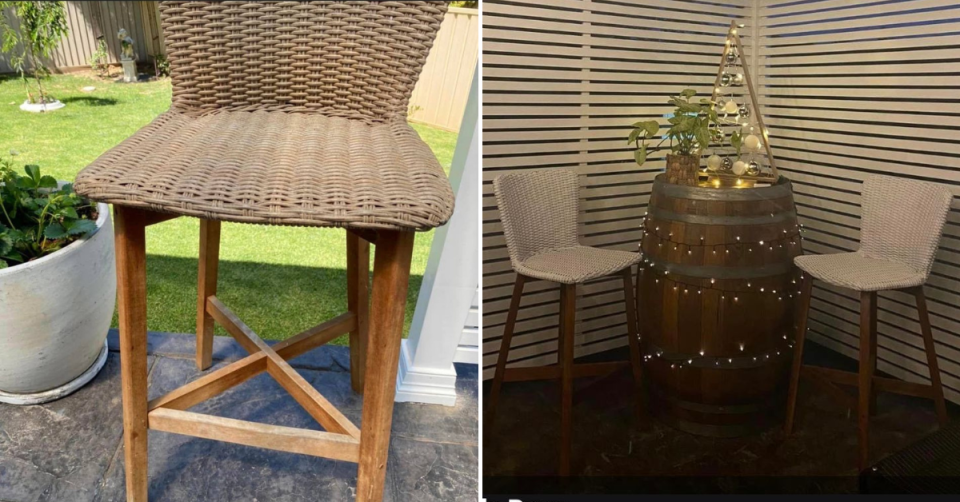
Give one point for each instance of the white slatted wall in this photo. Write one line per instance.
(854, 87)
(562, 81)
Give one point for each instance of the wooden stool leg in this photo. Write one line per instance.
(497, 383)
(636, 361)
(390, 275)
(931, 350)
(865, 383)
(129, 225)
(806, 290)
(209, 264)
(568, 313)
(358, 300)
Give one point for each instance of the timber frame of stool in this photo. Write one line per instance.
(565, 370)
(867, 383)
(374, 356)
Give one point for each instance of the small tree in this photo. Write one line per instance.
(42, 25)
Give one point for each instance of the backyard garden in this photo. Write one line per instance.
(303, 269)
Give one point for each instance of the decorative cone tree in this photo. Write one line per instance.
(749, 155)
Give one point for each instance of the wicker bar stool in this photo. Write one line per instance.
(283, 113)
(901, 222)
(539, 211)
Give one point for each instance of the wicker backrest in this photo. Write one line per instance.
(538, 210)
(901, 220)
(353, 59)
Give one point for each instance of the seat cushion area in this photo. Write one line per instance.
(577, 264)
(858, 272)
(278, 168)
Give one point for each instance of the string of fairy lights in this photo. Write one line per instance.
(729, 295)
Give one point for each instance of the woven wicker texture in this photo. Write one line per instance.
(538, 210)
(286, 113)
(901, 222)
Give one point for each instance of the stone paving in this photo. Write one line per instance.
(71, 450)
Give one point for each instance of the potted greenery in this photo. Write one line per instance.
(41, 25)
(57, 286)
(690, 132)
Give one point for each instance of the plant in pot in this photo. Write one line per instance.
(690, 132)
(40, 26)
(57, 286)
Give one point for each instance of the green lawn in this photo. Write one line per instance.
(280, 280)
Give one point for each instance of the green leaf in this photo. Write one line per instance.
(652, 127)
(26, 182)
(34, 172)
(13, 256)
(47, 182)
(688, 107)
(67, 189)
(634, 134)
(69, 212)
(6, 244)
(703, 136)
(687, 93)
(641, 154)
(80, 227)
(54, 231)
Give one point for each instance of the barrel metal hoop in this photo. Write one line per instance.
(711, 272)
(701, 219)
(781, 189)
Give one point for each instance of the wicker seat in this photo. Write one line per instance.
(575, 265)
(901, 222)
(539, 210)
(858, 272)
(284, 113)
(277, 168)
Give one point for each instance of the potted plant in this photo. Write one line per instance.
(690, 132)
(41, 25)
(57, 286)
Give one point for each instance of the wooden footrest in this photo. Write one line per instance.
(879, 384)
(554, 372)
(273, 437)
(340, 442)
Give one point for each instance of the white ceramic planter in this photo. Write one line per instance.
(54, 317)
(41, 107)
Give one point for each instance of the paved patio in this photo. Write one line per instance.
(71, 450)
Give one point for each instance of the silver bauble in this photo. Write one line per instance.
(744, 111)
(726, 79)
(753, 168)
(731, 56)
(738, 79)
(727, 164)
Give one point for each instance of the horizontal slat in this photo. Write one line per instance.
(272, 437)
(853, 88)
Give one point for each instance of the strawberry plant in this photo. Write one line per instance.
(38, 216)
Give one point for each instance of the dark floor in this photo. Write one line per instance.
(71, 450)
(616, 452)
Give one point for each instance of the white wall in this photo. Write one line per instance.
(845, 95)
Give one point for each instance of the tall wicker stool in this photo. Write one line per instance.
(901, 221)
(284, 113)
(539, 212)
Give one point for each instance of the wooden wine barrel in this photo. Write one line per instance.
(718, 295)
